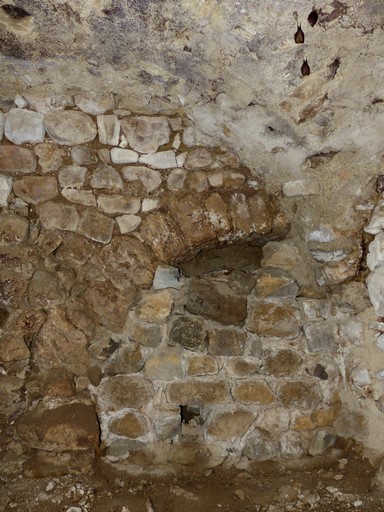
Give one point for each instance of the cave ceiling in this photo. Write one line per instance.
(233, 67)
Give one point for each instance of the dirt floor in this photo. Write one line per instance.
(340, 484)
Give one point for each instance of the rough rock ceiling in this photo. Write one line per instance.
(232, 66)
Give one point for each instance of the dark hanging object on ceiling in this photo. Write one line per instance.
(299, 35)
(15, 12)
(333, 68)
(305, 69)
(312, 18)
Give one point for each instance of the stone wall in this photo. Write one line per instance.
(111, 344)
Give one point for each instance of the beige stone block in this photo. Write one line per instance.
(196, 392)
(253, 392)
(230, 426)
(155, 308)
(131, 425)
(165, 364)
(299, 394)
(36, 189)
(123, 391)
(202, 365)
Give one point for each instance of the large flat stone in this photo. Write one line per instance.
(16, 160)
(215, 301)
(274, 319)
(24, 126)
(36, 189)
(58, 216)
(96, 226)
(146, 134)
(69, 127)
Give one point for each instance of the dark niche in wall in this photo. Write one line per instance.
(245, 257)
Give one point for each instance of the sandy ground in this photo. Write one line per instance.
(341, 484)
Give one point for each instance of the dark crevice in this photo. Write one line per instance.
(17, 13)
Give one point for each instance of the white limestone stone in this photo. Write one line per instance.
(161, 160)
(321, 234)
(176, 141)
(180, 159)
(149, 204)
(375, 256)
(167, 277)
(150, 179)
(124, 156)
(328, 256)
(304, 187)
(380, 342)
(109, 129)
(375, 285)
(2, 122)
(361, 378)
(69, 127)
(20, 101)
(94, 103)
(128, 223)
(377, 220)
(72, 176)
(5, 189)
(23, 126)
(84, 197)
(44, 103)
(118, 204)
